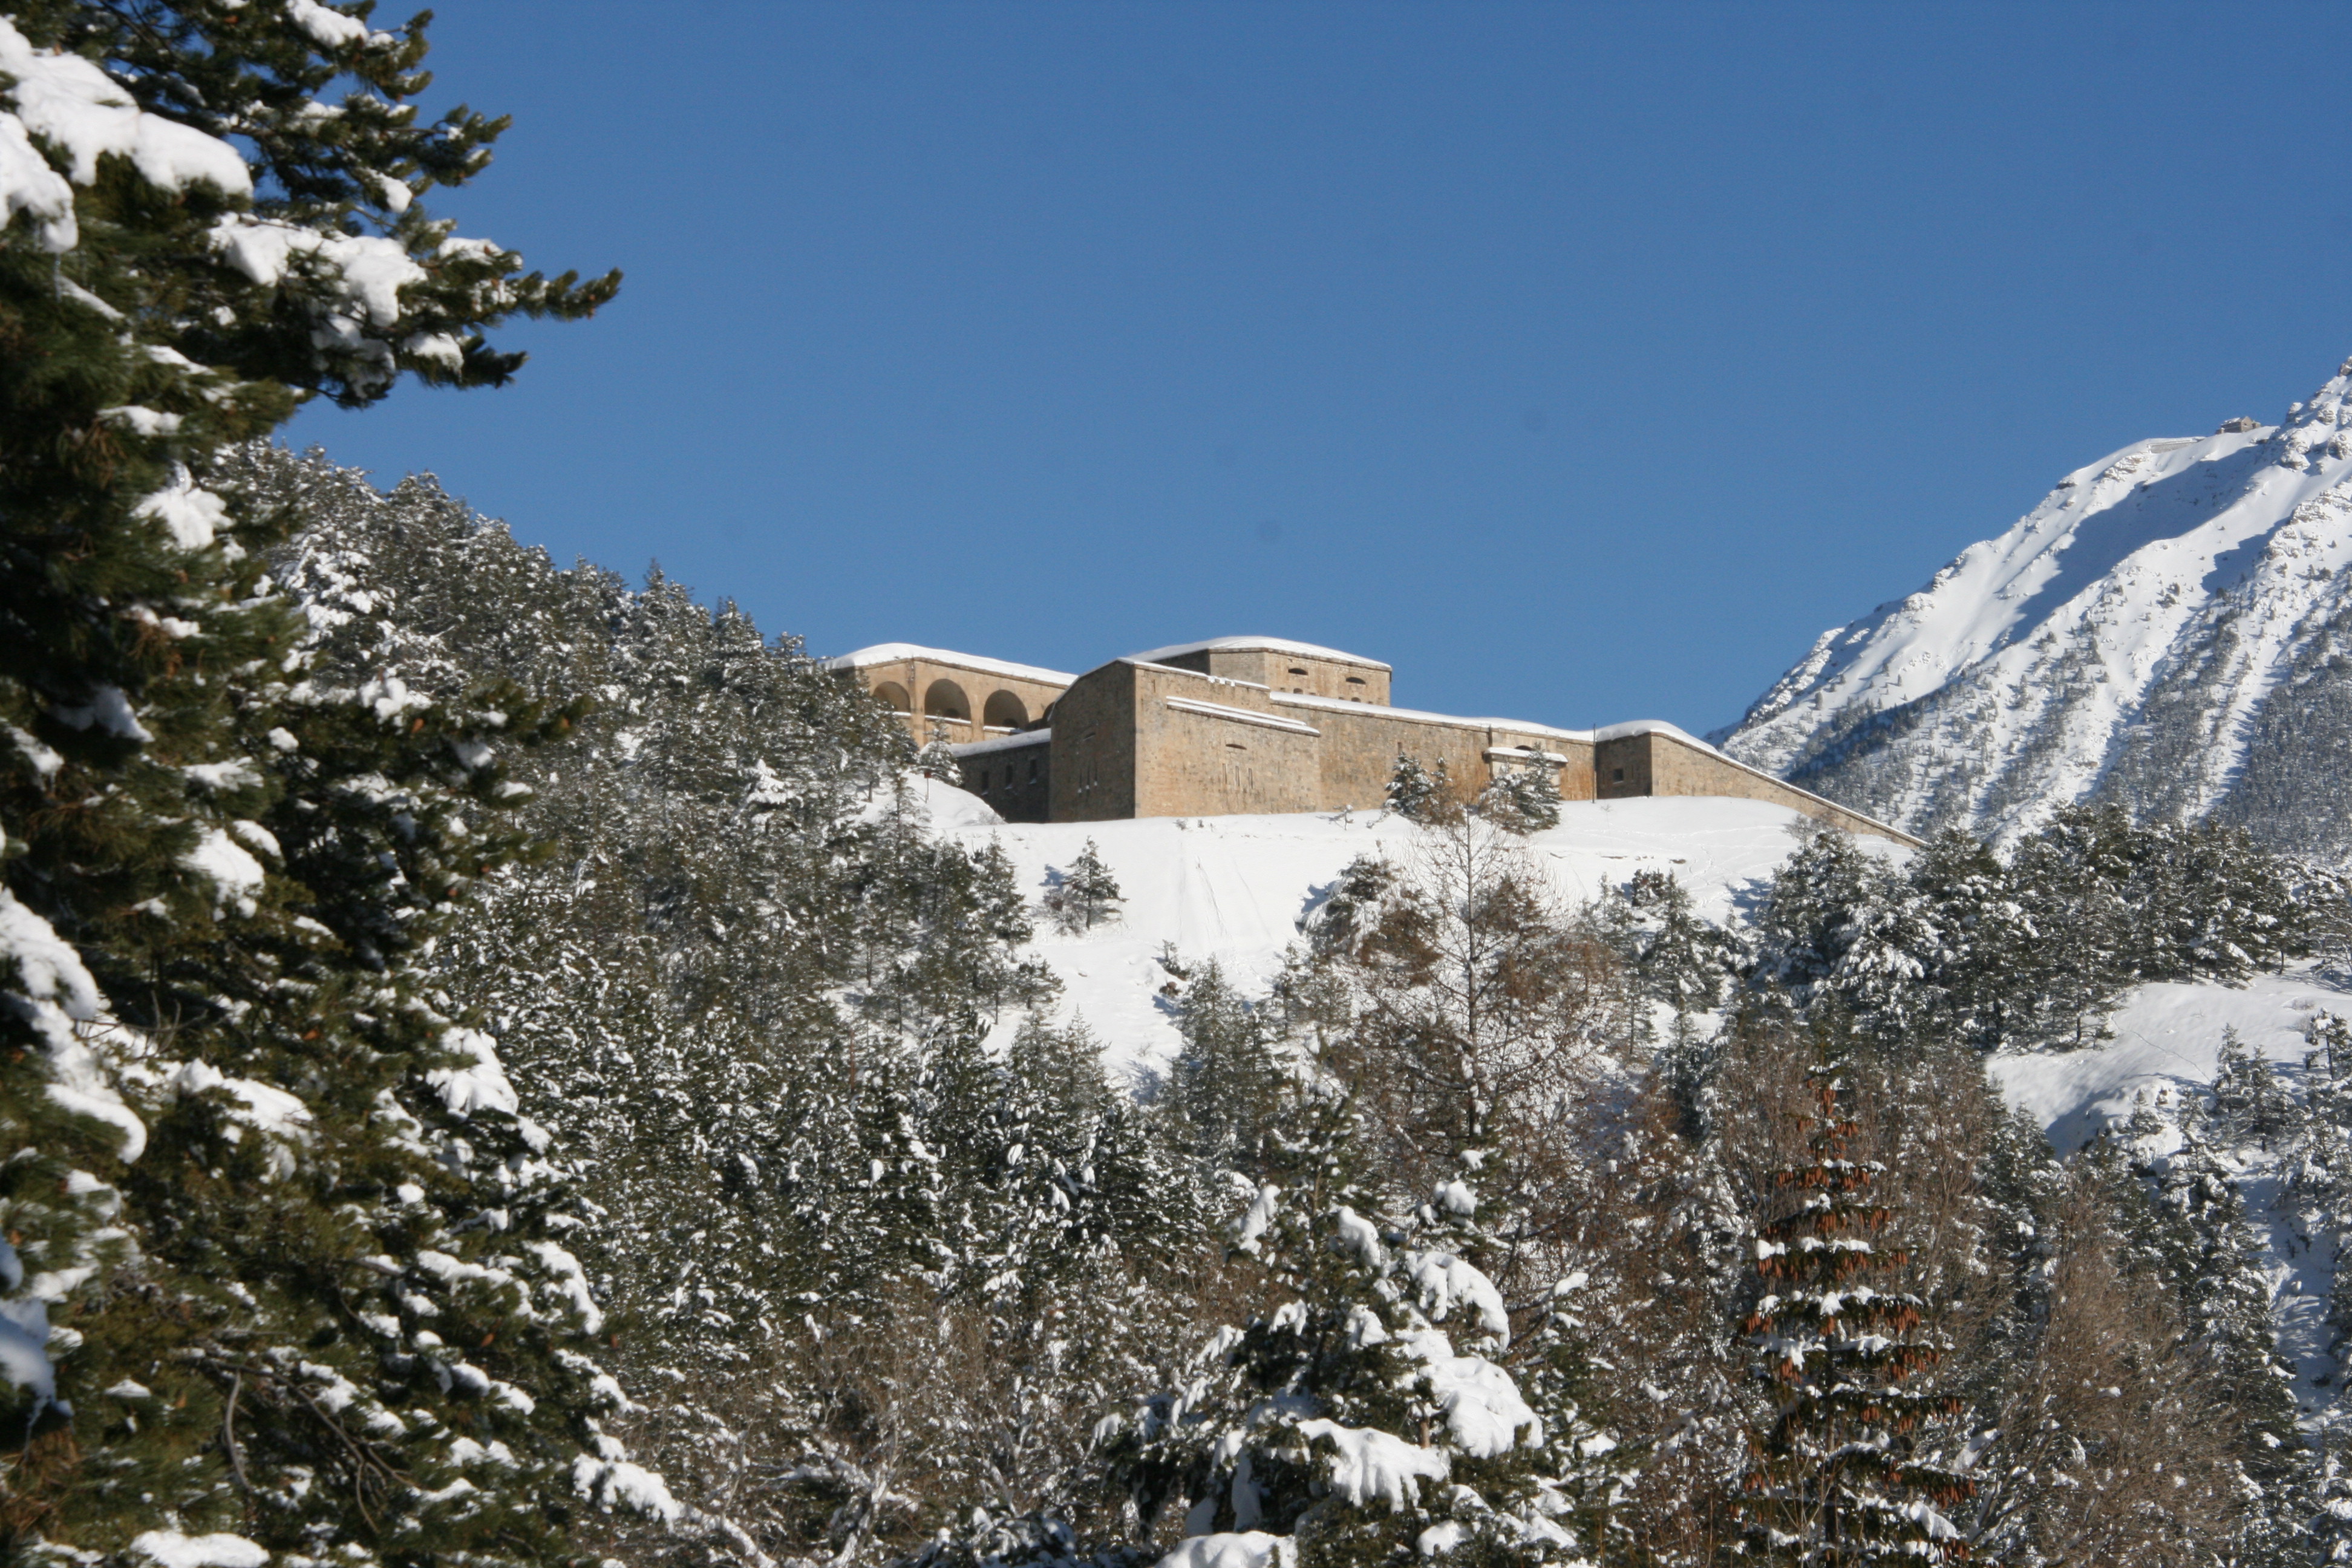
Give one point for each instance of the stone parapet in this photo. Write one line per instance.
(1630, 760)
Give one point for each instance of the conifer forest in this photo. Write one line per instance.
(500, 1066)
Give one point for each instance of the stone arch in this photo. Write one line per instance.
(945, 700)
(1004, 711)
(893, 696)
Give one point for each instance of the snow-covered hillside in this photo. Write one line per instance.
(2164, 1051)
(2167, 629)
(1234, 889)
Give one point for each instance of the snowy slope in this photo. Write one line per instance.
(1235, 888)
(2166, 1041)
(2165, 630)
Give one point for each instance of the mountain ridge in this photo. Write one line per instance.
(2166, 630)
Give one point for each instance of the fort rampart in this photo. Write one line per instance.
(1261, 724)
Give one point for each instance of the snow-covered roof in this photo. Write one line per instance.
(1653, 727)
(898, 652)
(1416, 716)
(1270, 644)
(1012, 743)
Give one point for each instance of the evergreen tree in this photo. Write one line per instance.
(1842, 927)
(300, 1260)
(936, 761)
(1682, 960)
(2249, 1100)
(1225, 1087)
(1522, 799)
(1848, 1471)
(1085, 894)
(1419, 794)
(1345, 1425)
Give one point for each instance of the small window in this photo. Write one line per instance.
(1619, 777)
(1355, 680)
(1295, 671)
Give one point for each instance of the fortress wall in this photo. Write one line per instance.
(1657, 764)
(1361, 743)
(1360, 749)
(1342, 680)
(1573, 779)
(1014, 774)
(1207, 747)
(1094, 772)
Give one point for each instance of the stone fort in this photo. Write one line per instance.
(1260, 724)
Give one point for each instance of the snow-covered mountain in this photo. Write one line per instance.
(2167, 629)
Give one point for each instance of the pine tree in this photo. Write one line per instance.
(937, 761)
(1842, 927)
(1846, 1473)
(1522, 799)
(1086, 893)
(1419, 794)
(2249, 1100)
(1344, 1425)
(1225, 1087)
(274, 1191)
(1682, 960)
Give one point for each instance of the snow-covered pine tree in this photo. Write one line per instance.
(298, 1260)
(1343, 1426)
(2317, 1162)
(1523, 799)
(936, 761)
(1419, 794)
(1847, 1473)
(1680, 959)
(1225, 1089)
(2250, 1102)
(2203, 1237)
(1086, 893)
(1840, 926)
(730, 985)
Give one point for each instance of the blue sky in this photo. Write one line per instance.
(1583, 363)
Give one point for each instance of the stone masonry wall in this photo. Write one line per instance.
(1209, 746)
(1361, 743)
(1093, 771)
(1014, 774)
(1656, 763)
(1279, 671)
